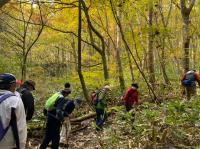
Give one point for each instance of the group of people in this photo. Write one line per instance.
(17, 107)
(101, 97)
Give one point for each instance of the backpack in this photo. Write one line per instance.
(4, 130)
(94, 97)
(52, 100)
(21, 90)
(189, 79)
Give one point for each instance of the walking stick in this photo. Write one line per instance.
(67, 125)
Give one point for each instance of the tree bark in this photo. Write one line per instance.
(150, 47)
(165, 22)
(185, 12)
(92, 115)
(101, 50)
(85, 92)
(128, 49)
(118, 59)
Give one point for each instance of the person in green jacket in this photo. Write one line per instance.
(101, 105)
(51, 100)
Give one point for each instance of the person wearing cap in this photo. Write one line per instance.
(50, 104)
(61, 110)
(131, 97)
(67, 85)
(51, 101)
(18, 83)
(12, 114)
(28, 100)
(104, 95)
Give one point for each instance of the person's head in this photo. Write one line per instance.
(29, 84)
(7, 82)
(135, 85)
(190, 71)
(107, 88)
(67, 85)
(65, 92)
(18, 83)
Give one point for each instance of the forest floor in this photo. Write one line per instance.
(86, 138)
(172, 124)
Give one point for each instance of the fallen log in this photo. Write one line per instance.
(93, 114)
(79, 129)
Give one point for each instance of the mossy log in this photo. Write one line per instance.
(93, 114)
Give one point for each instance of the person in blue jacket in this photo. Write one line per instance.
(62, 109)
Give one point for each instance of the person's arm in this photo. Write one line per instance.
(127, 95)
(136, 98)
(21, 123)
(69, 108)
(13, 124)
(182, 77)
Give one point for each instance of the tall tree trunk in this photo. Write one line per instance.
(163, 64)
(85, 92)
(185, 11)
(150, 46)
(128, 49)
(194, 52)
(118, 59)
(130, 65)
(23, 71)
(101, 50)
(144, 61)
(162, 41)
(186, 39)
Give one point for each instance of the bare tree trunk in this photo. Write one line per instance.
(118, 59)
(194, 52)
(23, 71)
(85, 92)
(128, 49)
(150, 46)
(162, 41)
(144, 64)
(130, 66)
(27, 45)
(101, 50)
(186, 38)
(163, 65)
(185, 11)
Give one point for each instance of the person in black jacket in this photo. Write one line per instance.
(62, 109)
(27, 97)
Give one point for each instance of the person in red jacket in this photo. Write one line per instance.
(131, 97)
(188, 80)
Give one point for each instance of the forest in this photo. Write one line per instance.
(93, 43)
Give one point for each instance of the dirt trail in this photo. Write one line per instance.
(87, 138)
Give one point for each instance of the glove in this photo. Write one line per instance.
(77, 101)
